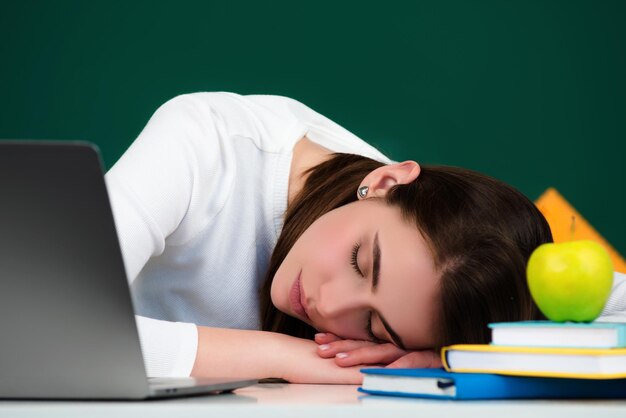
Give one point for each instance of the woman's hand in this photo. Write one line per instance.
(348, 353)
(298, 362)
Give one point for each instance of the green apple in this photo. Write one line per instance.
(570, 281)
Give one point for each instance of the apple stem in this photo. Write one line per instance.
(573, 227)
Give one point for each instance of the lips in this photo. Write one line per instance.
(297, 298)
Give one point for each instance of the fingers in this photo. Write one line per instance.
(330, 350)
(326, 338)
(379, 354)
(349, 353)
(418, 359)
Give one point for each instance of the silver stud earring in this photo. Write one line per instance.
(362, 192)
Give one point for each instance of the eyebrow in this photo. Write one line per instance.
(376, 256)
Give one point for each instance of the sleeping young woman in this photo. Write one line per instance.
(261, 239)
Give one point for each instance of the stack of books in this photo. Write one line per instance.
(529, 359)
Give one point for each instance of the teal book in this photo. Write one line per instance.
(559, 334)
(440, 384)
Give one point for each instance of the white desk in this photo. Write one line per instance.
(315, 401)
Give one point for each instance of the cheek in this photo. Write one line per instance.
(326, 244)
(319, 252)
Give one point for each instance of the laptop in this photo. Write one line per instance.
(67, 323)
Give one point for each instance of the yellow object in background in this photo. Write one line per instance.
(567, 224)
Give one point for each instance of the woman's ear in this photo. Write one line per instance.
(383, 178)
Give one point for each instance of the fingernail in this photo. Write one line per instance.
(320, 335)
(324, 347)
(341, 355)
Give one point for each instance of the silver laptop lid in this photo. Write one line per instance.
(66, 317)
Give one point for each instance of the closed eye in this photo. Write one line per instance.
(368, 325)
(370, 332)
(353, 260)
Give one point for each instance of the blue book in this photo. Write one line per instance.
(559, 334)
(440, 384)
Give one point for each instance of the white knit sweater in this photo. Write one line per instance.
(198, 201)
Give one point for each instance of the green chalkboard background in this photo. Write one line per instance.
(532, 92)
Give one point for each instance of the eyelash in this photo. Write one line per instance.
(353, 260)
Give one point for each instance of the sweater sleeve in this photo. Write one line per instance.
(153, 189)
(615, 308)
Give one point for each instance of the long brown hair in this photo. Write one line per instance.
(480, 232)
